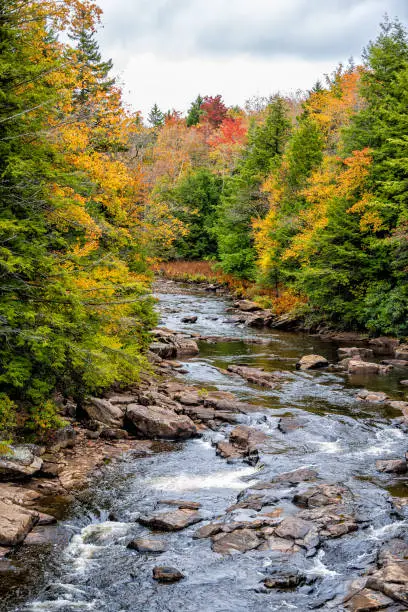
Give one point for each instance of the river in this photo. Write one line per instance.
(340, 438)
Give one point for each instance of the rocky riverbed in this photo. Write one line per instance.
(253, 469)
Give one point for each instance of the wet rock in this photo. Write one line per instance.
(288, 321)
(159, 422)
(402, 352)
(355, 352)
(322, 495)
(299, 475)
(4, 552)
(163, 350)
(20, 463)
(198, 413)
(312, 362)
(391, 580)
(283, 581)
(15, 523)
(366, 368)
(392, 466)
(147, 545)
(288, 424)
(46, 535)
(189, 319)
(169, 344)
(228, 451)
(247, 438)
(45, 519)
(404, 383)
(294, 528)
(261, 319)
(167, 574)
(384, 345)
(171, 521)
(395, 363)
(247, 306)
(257, 376)
(180, 503)
(374, 397)
(368, 600)
(206, 531)
(103, 411)
(240, 540)
(276, 544)
(113, 434)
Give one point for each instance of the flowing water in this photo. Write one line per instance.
(341, 439)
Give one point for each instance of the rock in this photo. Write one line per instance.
(404, 383)
(392, 466)
(355, 352)
(391, 580)
(159, 422)
(374, 397)
(247, 438)
(15, 523)
(51, 469)
(190, 319)
(20, 463)
(312, 362)
(402, 352)
(163, 350)
(368, 600)
(4, 552)
(395, 363)
(278, 545)
(288, 424)
(46, 535)
(167, 574)
(294, 528)
(384, 345)
(206, 531)
(147, 545)
(365, 367)
(262, 319)
(45, 519)
(113, 434)
(287, 321)
(240, 540)
(247, 306)
(171, 521)
(283, 581)
(103, 411)
(189, 399)
(186, 346)
(180, 503)
(257, 376)
(64, 437)
(299, 475)
(322, 495)
(228, 451)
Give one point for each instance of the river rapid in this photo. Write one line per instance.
(339, 437)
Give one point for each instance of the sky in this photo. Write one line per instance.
(169, 51)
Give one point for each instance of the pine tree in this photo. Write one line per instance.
(155, 117)
(195, 112)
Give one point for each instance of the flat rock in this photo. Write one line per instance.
(180, 503)
(206, 531)
(171, 521)
(240, 540)
(312, 362)
(19, 464)
(147, 545)
(276, 544)
(368, 600)
(189, 319)
(247, 306)
(283, 581)
(293, 527)
(228, 451)
(384, 345)
(396, 363)
(374, 397)
(257, 376)
(299, 475)
(247, 438)
(167, 574)
(392, 466)
(288, 424)
(15, 523)
(159, 422)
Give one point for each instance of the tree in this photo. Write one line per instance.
(194, 113)
(213, 111)
(156, 117)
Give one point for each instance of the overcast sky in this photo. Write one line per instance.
(168, 51)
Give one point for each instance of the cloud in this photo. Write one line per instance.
(311, 29)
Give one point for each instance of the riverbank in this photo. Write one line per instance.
(274, 469)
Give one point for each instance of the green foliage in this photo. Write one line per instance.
(156, 116)
(195, 112)
(196, 197)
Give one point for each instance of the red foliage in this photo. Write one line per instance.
(231, 131)
(214, 110)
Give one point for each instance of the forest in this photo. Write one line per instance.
(301, 200)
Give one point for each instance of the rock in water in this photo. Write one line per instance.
(147, 545)
(240, 540)
(15, 523)
(171, 521)
(312, 362)
(159, 422)
(167, 574)
(192, 319)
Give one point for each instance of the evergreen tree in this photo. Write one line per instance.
(155, 117)
(195, 112)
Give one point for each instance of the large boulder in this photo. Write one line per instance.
(312, 362)
(257, 376)
(402, 352)
(247, 306)
(15, 523)
(159, 422)
(21, 462)
(384, 345)
(356, 366)
(104, 411)
(240, 540)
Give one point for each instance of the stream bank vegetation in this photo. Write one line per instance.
(299, 202)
